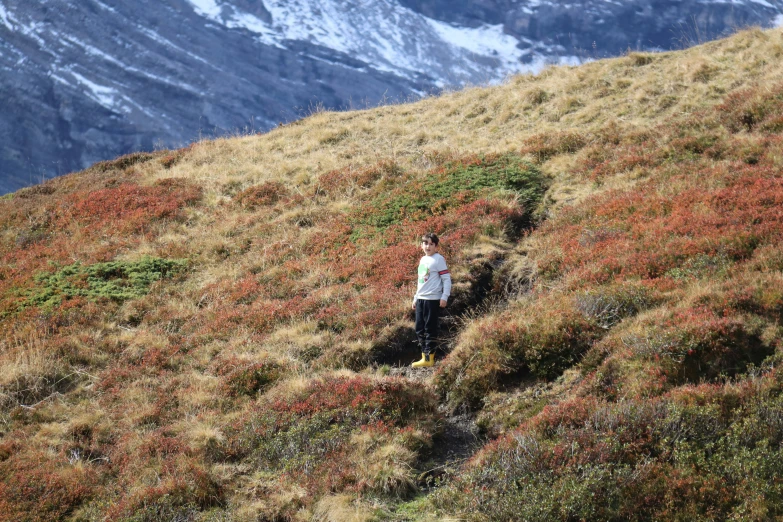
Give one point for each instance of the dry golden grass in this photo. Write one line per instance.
(31, 372)
(631, 91)
(341, 508)
(198, 391)
(300, 341)
(202, 435)
(382, 467)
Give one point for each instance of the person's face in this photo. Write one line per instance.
(428, 247)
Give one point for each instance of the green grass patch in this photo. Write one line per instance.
(418, 509)
(452, 185)
(115, 281)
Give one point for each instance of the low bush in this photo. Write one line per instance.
(452, 185)
(35, 488)
(542, 339)
(248, 377)
(756, 293)
(183, 493)
(172, 157)
(124, 162)
(748, 109)
(697, 344)
(607, 306)
(307, 433)
(649, 233)
(545, 146)
(345, 182)
(115, 281)
(667, 459)
(127, 208)
(267, 193)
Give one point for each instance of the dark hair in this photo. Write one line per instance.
(432, 237)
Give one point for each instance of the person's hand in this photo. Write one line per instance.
(413, 306)
(443, 303)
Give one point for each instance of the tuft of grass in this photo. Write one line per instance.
(607, 306)
(267, 193)
(339, 508)
(545, 146)
(641, 59)
(124, 162)
(31, 373)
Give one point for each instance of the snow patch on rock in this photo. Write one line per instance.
(382, 33)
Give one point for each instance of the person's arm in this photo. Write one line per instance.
(445, 278)
(413, 304)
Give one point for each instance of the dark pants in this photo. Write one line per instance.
(427, 313)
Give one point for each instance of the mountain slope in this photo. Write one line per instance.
(89, 81)
(220, 332)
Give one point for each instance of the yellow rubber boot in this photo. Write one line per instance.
(425, 362)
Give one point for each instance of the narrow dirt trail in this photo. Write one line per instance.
(456, 441)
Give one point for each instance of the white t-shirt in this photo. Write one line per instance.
(434, 279)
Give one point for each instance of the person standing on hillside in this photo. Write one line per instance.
(432, 294)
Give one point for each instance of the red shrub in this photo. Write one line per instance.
(173, 157)
(123, 162)
(304, 434)
(183, 490)
(265, 194)
(648, 232)
(706, 345)
(760, 294)
(160, 444)
(36, 488)
(246, 377)
(128, 208)
(392, 399)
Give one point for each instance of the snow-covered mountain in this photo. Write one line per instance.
(86, 80)
(384, 34)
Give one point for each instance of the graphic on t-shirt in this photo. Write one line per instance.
(424, 273)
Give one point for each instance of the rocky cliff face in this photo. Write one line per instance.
(600, 28)
(86, 81)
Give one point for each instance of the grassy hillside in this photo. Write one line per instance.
(221, 332)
